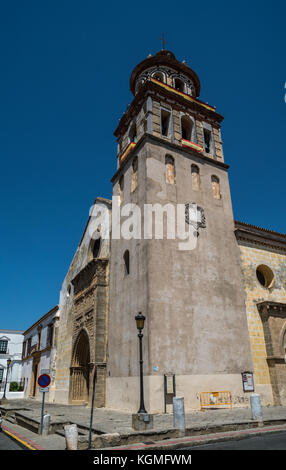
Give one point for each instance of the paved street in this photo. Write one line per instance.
(6, 443)
(275, 441)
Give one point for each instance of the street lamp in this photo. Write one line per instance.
(4, 399)
(140, 319)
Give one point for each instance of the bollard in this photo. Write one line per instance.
(71, 436)
(256, 409)
(46, 424)
(179, 414)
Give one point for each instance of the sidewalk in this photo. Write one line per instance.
(106, 421)
(31, 441)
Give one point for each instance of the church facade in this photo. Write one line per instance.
(214, 311)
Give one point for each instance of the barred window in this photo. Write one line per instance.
(3, 346)
(1, 374)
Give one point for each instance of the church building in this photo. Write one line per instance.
(214, 313)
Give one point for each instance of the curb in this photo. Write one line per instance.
(114, 440)
(23, 441)
(191, 441)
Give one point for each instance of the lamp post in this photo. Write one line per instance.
(140, 319)
(4, 399)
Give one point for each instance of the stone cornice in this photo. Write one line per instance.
(170, 145)
(260, 236)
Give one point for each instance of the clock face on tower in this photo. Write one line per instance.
(195, 215)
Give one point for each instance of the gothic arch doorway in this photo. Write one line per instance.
(80, 369)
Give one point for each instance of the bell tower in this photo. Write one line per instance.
(169, 155)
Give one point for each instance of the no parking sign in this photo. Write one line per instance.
(44, 381)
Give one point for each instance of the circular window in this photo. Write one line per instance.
(265, 275)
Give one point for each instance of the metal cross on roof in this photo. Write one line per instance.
(163, 41)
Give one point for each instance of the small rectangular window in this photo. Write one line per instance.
(1, 374)
(165, 122)
(126, 258)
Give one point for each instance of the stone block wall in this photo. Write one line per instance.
(251, 257)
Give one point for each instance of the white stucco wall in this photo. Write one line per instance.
(14, 352)
(44, 364)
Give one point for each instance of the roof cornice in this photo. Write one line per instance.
(49, 313)
(259, 235)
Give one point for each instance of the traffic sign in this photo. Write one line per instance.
(44, 380)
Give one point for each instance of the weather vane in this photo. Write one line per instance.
(163, 41)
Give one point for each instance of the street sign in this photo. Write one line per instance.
(44, 380)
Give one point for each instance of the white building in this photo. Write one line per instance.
(11, 343)
(39, 352)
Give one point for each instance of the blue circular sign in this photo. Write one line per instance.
(44, 380)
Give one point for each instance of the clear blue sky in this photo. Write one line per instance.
(64, 85)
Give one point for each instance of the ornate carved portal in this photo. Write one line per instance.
(80, 369)
(89, 333)
(273, 316)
